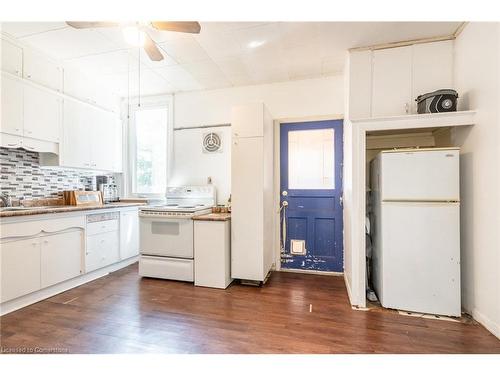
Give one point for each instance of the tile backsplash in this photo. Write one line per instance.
(22, 177)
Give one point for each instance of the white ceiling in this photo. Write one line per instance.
(221, 55)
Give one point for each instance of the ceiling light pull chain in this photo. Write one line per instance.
(139, 72)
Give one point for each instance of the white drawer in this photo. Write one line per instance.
(102, 227)
(166, 268)
(102, 249)
(35, 227)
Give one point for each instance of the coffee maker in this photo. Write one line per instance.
(107, 186)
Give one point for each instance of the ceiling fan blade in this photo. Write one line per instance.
(181, 26)
(151, 49)
(91, 25)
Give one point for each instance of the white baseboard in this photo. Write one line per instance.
(45, 293)
(490, 325)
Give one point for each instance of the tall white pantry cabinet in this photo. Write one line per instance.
(252, 219)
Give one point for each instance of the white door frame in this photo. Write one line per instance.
(277, 183)
(355, 186)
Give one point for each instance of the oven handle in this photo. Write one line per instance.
(163, 218)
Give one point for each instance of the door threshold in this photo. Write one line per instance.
(312, 272)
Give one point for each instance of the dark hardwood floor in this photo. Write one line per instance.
(122, 313)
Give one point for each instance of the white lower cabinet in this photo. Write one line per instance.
(212, 253)
(36, 254)
(20, 268)
(103, 249)
(129, 233)
(61, 257)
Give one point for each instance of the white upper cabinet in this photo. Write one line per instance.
(432, 68)
(12, 106)
(76, 141)
(250, 120)
(12, 58)
(42, 70)
(83, 87)
(392, 71)
(42, 114)
(386, 82)
(90, 138)
(360, 84)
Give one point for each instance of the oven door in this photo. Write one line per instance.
(167, 237)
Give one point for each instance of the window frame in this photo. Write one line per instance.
(167, 103)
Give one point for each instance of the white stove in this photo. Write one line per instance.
(166, 232)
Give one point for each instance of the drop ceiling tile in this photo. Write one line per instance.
(172, 73)
(233, 66)
(228, 27)
(304, 69)
(264, 36)
(184, 50)
(69, 43)
(265, 75)
(241, 80)
(219, 45)
(298, 33)
(114, 62)
(22, 29)
(202, 68)
(127, 84)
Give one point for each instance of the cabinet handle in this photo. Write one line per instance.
(45, 242)
(11, 144)
(407, 108)
(34, 243)
(30, 148)
(29, 76)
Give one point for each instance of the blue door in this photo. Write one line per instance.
(311, 195)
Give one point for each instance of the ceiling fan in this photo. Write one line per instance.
(136, 33)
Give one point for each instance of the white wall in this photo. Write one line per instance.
(192, 166)
(477, 78)
(294, 99)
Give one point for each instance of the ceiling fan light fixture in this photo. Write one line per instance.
(134, 36)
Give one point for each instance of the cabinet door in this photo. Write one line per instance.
(432, 68)
(42, 70)
(77, 84)
(76, 139)
(117, 146)
(248, 120)
(61, 257)
(42, 114)
(20, 265)
(101, 148)
(129, 234)
(360, 84)
(247, 201)
(12, 58)
(392, 72)
(102, 250)
(12, 106)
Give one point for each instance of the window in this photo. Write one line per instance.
(311, 161)
(149, 151)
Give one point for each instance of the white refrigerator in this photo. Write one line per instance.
(416, 230)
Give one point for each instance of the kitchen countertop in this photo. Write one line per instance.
(214, 217)
(63, 208)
